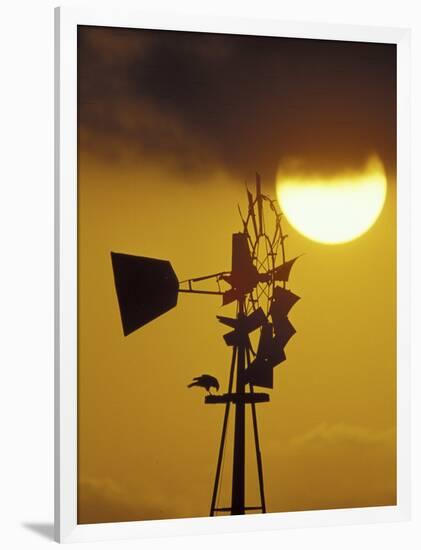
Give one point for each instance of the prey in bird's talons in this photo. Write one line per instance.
(205, 381)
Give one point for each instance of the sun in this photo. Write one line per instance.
(333, 210)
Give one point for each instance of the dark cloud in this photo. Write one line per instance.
(237, 102)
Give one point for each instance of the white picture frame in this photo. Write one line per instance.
(66, 22)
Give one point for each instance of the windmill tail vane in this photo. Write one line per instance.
(258, 334)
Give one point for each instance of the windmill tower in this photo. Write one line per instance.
(257, 284)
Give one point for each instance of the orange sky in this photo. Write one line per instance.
(147, 445)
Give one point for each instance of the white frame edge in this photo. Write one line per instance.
(66, 21)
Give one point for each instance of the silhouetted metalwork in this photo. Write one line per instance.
(147, 288)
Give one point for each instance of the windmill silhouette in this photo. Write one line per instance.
(257, 282)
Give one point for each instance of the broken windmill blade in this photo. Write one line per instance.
(147, 288)
(243, 326)
(276, 331)
(280, 273)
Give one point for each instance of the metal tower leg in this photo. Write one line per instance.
(258, 456)
(257, 445)
(223, 436)
(238, 474)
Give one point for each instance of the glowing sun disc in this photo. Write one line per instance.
(336, 209)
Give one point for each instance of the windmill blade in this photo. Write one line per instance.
(230, 296)
(260, 374)
(146, 288)
(265, 341)
(284, 331)
(282, 302)
(260, 371)
(281, 273)
(269, 354)
(273, 339)
(229, 321)
(243, 327)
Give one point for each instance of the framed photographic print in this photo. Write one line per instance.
(232, 274)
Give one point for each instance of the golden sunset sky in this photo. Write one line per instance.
(171, 126)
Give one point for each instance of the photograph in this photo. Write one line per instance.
(236, 274)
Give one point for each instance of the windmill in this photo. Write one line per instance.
(257, 282)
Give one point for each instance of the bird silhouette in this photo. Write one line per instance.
(205, 381)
